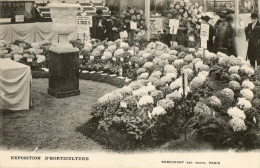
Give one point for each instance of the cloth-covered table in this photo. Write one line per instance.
(15, 81)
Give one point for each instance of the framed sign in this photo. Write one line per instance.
(133, 25)
(84, 20)
(19, 18)
(174, 25)
(204, 31)
(156, 25)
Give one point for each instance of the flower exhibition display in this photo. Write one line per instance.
(216, 103)
(167, 93)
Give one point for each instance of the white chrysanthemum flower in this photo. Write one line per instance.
(244, 104)
(107, 55)
(188, 58)
(144, 76)
(100, 48)
(202, 109)
(166, 79)
(110, 97)
(223, 60)
(124, 46)
(173, 52)
(248, 84)
(189, 72)
(209, 56)
(178, 62)
(119, 52)
(141, 70)
(228, 93)
(171, 75)
(170, 69)
(176, 84)
(156, 74)
(192, 50)
(234, 85)
(150, 88)
(96, 53)
(237, 124)
(195, 60)
(199, 54)
(215, 101)
(136, 85)
(146, 55)
(247, 70)
(165, 56)
(140, 92)
(233, 61)
(198, 65)
(247, 93)
(112, 48)
(235, 112)
(233, 70)
(176, 95)
(235, 77)
(198, 81)
(148, 65)
(146, 100)
(166, 103)
(158, 111)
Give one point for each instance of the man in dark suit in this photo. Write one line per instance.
(97, 31)
(253, 38)
(113, 27)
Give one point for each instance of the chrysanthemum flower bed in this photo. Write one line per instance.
(151, 110)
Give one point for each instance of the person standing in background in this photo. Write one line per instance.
(253, 37)
(97, 31)
(113, 27)
(225, 34)
(210, 44)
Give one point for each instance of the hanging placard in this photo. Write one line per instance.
(204, 43)
(204, 31)
(133, 25)
(174, 25)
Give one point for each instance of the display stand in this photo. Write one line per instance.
(63, 73)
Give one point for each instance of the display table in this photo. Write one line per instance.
(15, 80)
(63, 74)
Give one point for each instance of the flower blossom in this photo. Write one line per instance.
(247, 93)
(244, 104)
(146, 100)
(235, 112)
(158, 111)
(237, 124)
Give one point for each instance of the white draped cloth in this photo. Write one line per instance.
(30, 32)
(15, 80)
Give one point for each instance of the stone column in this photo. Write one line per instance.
(147, 18)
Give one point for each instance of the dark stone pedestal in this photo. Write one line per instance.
(63, 73)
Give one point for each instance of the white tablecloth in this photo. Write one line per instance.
(15, 79)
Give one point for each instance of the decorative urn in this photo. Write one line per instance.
(63, 17)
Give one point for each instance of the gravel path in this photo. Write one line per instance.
(51, 122)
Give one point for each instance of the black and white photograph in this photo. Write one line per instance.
(130, 83)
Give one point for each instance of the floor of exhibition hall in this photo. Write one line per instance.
(51, 122)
